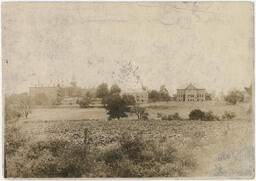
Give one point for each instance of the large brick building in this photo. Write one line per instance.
(50, 92)
(139, 96)
(190, 94)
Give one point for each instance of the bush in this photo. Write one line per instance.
(56, 158)
(135, 157)
(228, 115)
(196, 114)
(234, 96)
(169, 117)
(13, 138)
(176, 116)
(131, 157)
(210, 116)
(84, 102)
(10, 114)
(140, 112)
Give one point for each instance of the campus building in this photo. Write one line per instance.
(50, 92)
(139, 96)
(190, 94)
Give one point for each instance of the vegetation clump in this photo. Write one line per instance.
(169, 117)
(85, 101)
(196, 114)
(135, 157)
(234, 96)
(140, 112)
(210, 116)
(228, 115)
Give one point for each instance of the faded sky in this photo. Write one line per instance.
(131, 44)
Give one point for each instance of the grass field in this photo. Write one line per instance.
(214, 148)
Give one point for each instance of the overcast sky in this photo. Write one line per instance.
(131, 44)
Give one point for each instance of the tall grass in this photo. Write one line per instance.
(131, 156)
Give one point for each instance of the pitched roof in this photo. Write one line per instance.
(190, 87)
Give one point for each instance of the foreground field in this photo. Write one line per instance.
(197, 148)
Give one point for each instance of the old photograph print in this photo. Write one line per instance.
(128, 90)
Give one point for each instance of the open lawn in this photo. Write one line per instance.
(213, 148)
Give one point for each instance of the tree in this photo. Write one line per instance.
(234, 96)
(154, 95)
(24, 104)
(85, 101)
(164, 94)
(115, 89)
(129, 100)
(102, 90)
(116, 106)
(140, 112)
(60, 94)
(196, 114)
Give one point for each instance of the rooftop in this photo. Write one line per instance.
(190, 87)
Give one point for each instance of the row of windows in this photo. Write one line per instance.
(191, 100)
(194, 100)
(192, 95)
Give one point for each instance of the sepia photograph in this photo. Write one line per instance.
(128, 90)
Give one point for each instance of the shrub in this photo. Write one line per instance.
(196, 114)
(176, 116)
(228, 115)
(136, 157)
(131, 146)
(169, 117)
(11, 114)
(210, 116)
(234, 96)
(140, 112)
(84, 102)
(13, 138)
(56, 158)
(112, 157)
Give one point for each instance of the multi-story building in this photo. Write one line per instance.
(139, 96)
(50, 92)
(190, 94)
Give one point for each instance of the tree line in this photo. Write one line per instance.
(117, 105)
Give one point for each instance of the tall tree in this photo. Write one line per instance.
(60, 94)
(102, 90)
(164, 94)
(154, 95)
(24, 103)
(116, 106)
(115, 89)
